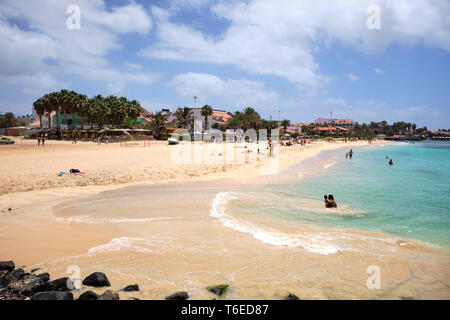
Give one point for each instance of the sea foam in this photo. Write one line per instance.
(123, 243)
(316, 244)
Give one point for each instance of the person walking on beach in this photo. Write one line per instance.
(270, 147)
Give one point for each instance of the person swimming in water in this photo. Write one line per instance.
(329, 202)
(391, 162)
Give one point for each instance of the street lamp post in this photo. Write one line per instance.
(195, 102)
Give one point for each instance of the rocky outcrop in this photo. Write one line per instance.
(96, 279)
(52, 295)
(16, 284)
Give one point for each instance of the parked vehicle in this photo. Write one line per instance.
(4, 140)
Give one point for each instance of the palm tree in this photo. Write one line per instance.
(236, 121)
(207, 111)
(268, 125)
(55, 100)
(185, 117)
(251, 118)
(134, 109)
(81, 102)
(101, 112)
(158, 125)
(48, 108)
(39, 107)
(285, 123)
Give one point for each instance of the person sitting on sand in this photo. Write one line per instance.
(330, 203)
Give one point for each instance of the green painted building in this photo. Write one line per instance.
(65, 120)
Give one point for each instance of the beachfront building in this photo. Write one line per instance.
(331, 131)
(66, 121)
(219, 117)
(345, 123)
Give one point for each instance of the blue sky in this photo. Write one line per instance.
(298, 57)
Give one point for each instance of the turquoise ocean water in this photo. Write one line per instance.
(410, 199)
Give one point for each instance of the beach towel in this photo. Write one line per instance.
(75, 171)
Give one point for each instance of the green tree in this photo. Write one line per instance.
(185, 117)
(236, 121)
(158, 124)
(285, 123)
(207, 111)
(9, 121)
(251, 119)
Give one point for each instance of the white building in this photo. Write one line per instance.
(345, 123)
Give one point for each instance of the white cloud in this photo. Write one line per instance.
(238, 93)
(269, 38)
(352, 76)
(132, 65)
(43, 36)
(376, 70)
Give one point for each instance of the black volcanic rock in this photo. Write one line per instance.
(291, 296)
(44, 276)
(7, 265)
(88, 295)
(28, 285)
(3, 278)
(96, 279)
(61, 284)
(52, 295)
(16, 274)
(178, 296)
(131, 287)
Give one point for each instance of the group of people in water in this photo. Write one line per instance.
(329, 200)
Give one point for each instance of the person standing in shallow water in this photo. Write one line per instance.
(349, 154)
(391, 163)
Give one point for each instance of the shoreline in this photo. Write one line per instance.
(32, 210)
(196, 243)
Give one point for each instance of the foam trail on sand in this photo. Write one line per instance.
(123, 243)
(316, 243)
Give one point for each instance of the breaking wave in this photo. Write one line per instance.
(317, 243)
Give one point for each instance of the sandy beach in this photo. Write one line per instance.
(80, 220)
(27, 167)
(31, 186)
